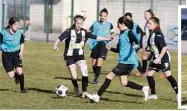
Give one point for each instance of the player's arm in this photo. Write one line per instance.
(116, 50)
(140, 31)
(92, 36)
(62, 37)
(22, 40)
(133, 39)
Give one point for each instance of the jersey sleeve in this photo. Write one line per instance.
(159, 39)
(90, 35)
(22, 40)
(91, 28)
(132, 38)
(111, 29)
(64, 35)
(1, 38)
(140, 31)
(116, 50)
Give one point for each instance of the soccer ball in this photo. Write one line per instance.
(61, 90)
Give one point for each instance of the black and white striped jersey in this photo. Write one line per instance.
(74, 42)
(155, 43)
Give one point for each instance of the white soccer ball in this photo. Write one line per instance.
(61, 90)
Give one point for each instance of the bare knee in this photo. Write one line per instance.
(11, 74)
(124, 83)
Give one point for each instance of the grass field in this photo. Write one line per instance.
(184, 80)
(44, 69)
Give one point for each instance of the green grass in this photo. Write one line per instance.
(44, 69)
(184, 80)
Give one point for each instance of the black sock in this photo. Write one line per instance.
(97, 71)
(104, 86)
(151, 82)
(173, 83)
(94, 68)
(74, 82)
(133, 85)
(139, 67)
(21, 79)
(84, 83)
(144, 66)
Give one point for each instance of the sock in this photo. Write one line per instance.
(173, 83)
(84, 83)
(151, 82)
(94, 68)
(74, 82)
(97, 71)
(104, 86)
(139, 67)
(144, 66)
(21, 79)
(133, 85)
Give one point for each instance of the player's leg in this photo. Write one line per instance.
(145, 57)
(83, 67)
(102, 89)
(170, 78)
(101, 57)
(72, 69)
(18, 66)
(151, 82)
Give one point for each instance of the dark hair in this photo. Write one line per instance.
(104, 11)
(156, 21)
(128, 14)
(128, 23)
(79, 17)
(151, 12)
(11, 21)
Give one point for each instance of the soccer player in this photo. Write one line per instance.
(138, 32)
(12, 46)
(127, 61)
(98, 48)
(75, 38)
(148, 14)
(160, 57)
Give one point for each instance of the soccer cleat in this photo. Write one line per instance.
(16, 78)
(95, 81)
(93, 97)
(153, 96)
(84, 95)
(146, 92)
(23, 91)
(177, 98)
(76, 91)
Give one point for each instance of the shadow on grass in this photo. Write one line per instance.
(65, 78)
(127, 94)
(103, 72)
(184, 103)
(4, 90)
(69, 94)
(41, 90)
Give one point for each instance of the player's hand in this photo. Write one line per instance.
(108, 47)
(157, 61)
(55, 48)
(20, 55)
(135, 46)
(111, 38)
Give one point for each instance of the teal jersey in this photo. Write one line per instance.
(127, 54)
(10, 43)
(100, 29)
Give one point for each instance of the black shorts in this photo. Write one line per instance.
(11, 60)
(99, 51)
(122, 69)
(73, 59)
(164, 66)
